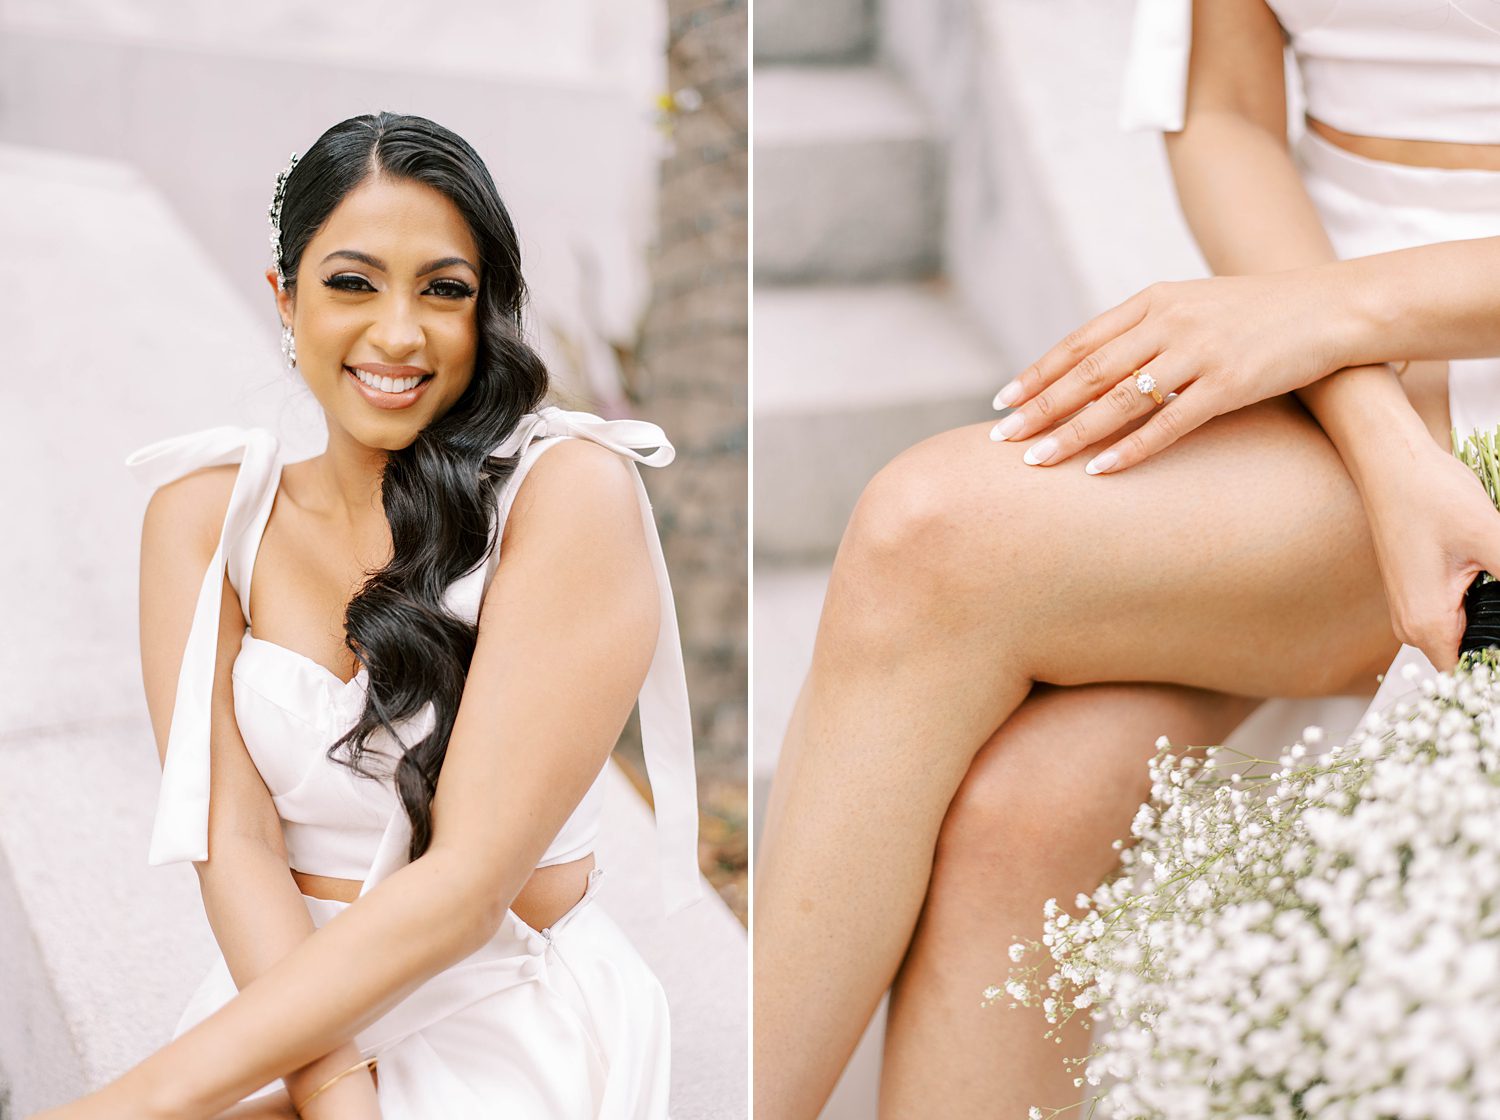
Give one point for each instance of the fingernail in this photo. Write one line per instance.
(1007, 427)
(1101, 462)
(1008, 395)
(1039, 453)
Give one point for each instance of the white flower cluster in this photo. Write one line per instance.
(1317, 941)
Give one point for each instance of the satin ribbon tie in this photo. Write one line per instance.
(180, 830)
(666, 720)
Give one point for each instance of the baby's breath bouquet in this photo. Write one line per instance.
(1314, 938)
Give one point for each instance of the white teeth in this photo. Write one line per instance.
(385, 384)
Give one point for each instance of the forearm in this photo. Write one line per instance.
(331, 985)
(258, 917)
(1242, 197)
(1250, 213)
(1435, 302)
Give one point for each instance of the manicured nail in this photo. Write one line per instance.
(1007, 427)
(1039, 453)
(1101, 462)
(1008, 395)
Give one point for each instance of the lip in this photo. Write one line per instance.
(380, 369)
(388, 400)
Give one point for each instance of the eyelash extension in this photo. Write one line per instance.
(345, 282)
(460, 289)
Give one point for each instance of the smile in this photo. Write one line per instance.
(388, 392)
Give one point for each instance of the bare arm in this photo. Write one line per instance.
(1433, 529)
(252, 902)
(1248, 210)
(1284, 316)
(1437, 301)
(575, 591)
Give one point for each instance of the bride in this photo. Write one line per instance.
(404, 720)
(1012, 621)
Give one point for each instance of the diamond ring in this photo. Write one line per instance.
(1147, 385)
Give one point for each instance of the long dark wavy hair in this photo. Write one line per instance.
(439, 493)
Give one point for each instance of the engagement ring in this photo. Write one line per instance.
(1147, 384)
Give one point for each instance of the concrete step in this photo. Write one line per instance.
(829, 31)
(1038, 238)
(848, 177)
(846, 378)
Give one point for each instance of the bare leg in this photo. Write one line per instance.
(1238, 561)
(1033, 819)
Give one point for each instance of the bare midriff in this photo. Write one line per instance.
(1413, 153)
(547, 895)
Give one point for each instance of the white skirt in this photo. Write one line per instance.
(1370, 206)
(563, 1024)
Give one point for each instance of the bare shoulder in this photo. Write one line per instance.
(580, 492)
(575, 574)
(188, 512)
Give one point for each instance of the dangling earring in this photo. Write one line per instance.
(288, 347)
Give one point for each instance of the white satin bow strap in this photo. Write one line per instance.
(626, 437)
(181, 828)
(666, 721)
(1156, 69)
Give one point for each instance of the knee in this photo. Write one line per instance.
(998, 813)
(1015, 825)
(918, 528)
(902, 519)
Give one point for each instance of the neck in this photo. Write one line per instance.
(348, 477)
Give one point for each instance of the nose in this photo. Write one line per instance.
(396, 331)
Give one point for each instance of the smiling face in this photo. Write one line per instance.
(387, 288)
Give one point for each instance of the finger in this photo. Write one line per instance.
(1076, 346)
(1440, 637)
(1123, 403)
(1089, 380)
(1169, 423)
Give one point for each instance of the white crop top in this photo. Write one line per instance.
(1404, 69)
(290, 708)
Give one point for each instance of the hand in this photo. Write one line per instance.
(1218, 344)
(1435, 529)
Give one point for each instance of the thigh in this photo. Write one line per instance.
(1239, 559)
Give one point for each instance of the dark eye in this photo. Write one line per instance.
(348, 282)
(452, 289)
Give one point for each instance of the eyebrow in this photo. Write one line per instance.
(376, 262)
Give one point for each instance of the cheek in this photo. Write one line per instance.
(330, 331)
(461, 344)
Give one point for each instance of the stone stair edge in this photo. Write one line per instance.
(859, 347)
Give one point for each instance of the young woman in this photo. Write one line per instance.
(1006, 632)
(384, 755)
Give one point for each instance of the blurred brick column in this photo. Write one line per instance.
(691, 377)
